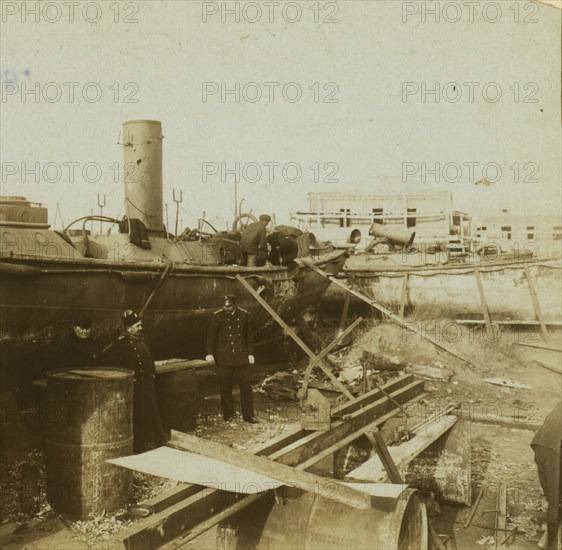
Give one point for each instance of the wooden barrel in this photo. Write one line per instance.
(313, 522)
(89, 416)
(178, 399)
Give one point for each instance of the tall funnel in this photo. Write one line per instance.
(142, 143)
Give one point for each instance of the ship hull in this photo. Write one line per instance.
(451, 291)
(41, 301)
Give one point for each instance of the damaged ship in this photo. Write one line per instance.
(51, 279)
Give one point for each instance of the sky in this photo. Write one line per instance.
(287, 97)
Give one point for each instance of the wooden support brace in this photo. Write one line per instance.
(345, 309)
(501, 516)
(323, 354)
(386, 459)
(483, 301)
(404, 294)
(288, 330)
(535, 300)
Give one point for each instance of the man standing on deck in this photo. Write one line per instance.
(284, 249)
(130, 351)
(253, 244)
(546, 445)
(230, 343)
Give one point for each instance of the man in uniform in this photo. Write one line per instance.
(546, 445)
(130, 351)
(230, 343)
(253, 244)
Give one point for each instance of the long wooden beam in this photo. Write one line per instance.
(386, 312)
(292, 477)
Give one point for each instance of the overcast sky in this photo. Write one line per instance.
(365, 118)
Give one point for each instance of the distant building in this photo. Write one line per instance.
(542, 234)
(345, 218)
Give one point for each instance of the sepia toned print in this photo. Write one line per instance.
(280, 274)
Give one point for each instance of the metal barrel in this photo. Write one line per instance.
(310, 522)
(179, 400)
(89, 416)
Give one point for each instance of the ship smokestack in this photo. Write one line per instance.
(142, 144)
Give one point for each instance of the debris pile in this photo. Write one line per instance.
(282, 386)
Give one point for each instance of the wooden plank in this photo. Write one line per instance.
(501, 516)
(323, 353)
(506, 383)
(535, 300)
(547, 366)
(373, 470)
(193, 468)
(269, 468)
(404, 293)
(155, 531)
(483, 302)
(173, 366)
(288, 330)
(388, 313)
(508, 322)
(508, 421)
(207, 524)
(470, 517)
(538, 346)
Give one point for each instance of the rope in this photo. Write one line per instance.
(169, 267)
(390, 273)
(116, 220)
(31, 225)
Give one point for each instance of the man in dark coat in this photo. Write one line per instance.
(130, 351)
(253, 244)
(230, 343)
(284, 249)
(546, 445)
(83, 349)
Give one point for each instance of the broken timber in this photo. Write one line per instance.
(374, 471)
(288, 330)
(340, 336)
(183, 512)
(386, 312)
(326, 487)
